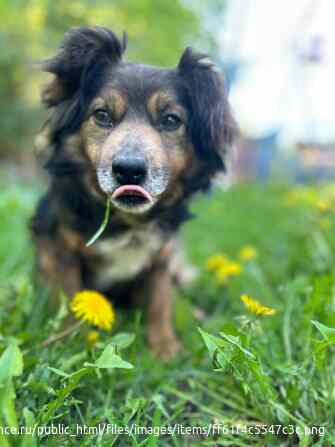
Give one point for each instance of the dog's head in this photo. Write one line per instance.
(136, 133)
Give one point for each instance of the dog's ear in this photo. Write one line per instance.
(84, 51)
(77, 70)
(211, 124)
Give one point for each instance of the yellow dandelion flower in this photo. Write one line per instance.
(94, 308)
(215, 262)
(92, 337)
(247, 253)
(323, 205)
(256, 307)
(230, 269)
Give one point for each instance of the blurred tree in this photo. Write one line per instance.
(158, 31)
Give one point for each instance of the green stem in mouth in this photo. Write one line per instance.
(103, 226)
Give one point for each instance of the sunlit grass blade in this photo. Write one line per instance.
(103, 226)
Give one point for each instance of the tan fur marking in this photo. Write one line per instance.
(72, 240)
(112, 99)
(152, 105)
(164, 101)
(117, 102)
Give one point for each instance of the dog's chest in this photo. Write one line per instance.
(123, 257)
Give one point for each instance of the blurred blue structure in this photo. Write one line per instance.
(279, 70)
(267, 147)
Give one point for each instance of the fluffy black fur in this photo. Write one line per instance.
(85, 56)
(211, 125)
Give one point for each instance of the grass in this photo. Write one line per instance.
(266, 380)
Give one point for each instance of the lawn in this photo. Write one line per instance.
(242, 379)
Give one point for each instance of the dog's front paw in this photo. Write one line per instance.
(164, 346)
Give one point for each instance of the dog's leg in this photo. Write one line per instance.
(162, 339)
(58, 267)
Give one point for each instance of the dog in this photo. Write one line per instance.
(144, 138)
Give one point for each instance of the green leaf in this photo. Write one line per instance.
(236, 341)
(325, 331)
(123, 340)
(109, 359)
(58, 372)
(7, 403)
(11, 363)
(230, 356)
(212, 343)
(103, 226)
(324, 344)
(50, 409)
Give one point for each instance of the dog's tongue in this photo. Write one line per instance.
(131, 190)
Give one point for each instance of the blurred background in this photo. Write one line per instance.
(278, 57)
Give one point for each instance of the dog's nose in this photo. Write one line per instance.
(129, 170)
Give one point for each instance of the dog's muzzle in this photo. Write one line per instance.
(130, 171)
(133, 183)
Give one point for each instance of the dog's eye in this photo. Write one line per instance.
(103, 118)
(171, 121)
